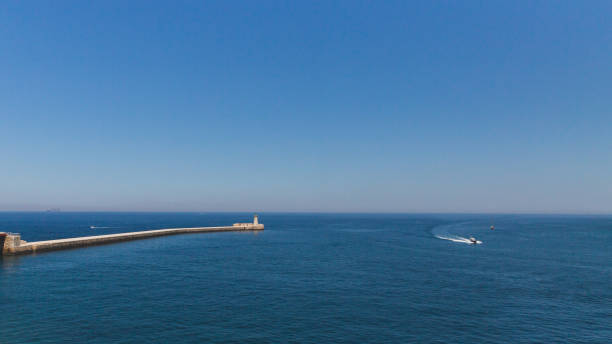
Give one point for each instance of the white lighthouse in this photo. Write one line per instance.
(255, 225)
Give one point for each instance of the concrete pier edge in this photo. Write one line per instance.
(12, 244)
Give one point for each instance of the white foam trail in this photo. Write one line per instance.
(96, 227)
(444, 232)
(455, 238)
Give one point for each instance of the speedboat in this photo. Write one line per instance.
(473, 240)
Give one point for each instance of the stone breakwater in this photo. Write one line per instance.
(13, 245)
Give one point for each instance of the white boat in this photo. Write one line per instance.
(473, 241)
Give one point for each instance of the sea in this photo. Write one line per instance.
(312, 278)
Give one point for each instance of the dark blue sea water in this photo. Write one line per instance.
(312, 278)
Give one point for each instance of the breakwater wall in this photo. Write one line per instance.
(13, 245)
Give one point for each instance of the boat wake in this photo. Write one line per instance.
(459, 239)
(443, 232)
(97, 227)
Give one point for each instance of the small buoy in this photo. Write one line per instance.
(492, 227)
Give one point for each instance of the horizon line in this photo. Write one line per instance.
(308, 212)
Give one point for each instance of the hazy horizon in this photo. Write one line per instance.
(305, 212)
(382, 107)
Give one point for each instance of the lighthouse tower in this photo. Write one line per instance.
(255, 225)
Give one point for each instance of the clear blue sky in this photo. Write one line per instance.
(431, 106)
